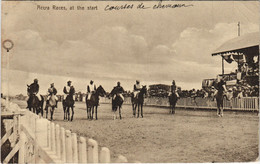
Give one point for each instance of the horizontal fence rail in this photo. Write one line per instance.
(53, 144)
(243, 104)
(42, 141)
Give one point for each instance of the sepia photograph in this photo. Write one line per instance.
(129, 81)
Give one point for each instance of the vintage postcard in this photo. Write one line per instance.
(129, 81)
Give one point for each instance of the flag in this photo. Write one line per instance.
(228, 58)
(239, 57)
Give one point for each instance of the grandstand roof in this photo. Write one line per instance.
(247, 44)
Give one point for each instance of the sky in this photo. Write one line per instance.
(153, 46)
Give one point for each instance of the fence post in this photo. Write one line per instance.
(68, 147)
(22, 150)
(57, 138)
(53, 145)
(104, 155)
(256, 104)
(82, 150)
(121, 159)
(75, 148)
(63, 143)
(41, 135)
(92, 151)
(49, 134)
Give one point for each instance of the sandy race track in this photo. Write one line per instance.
(189, 136)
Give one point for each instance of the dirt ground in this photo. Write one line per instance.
(188, 136)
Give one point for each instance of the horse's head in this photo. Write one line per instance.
(143, 90)
(101, 91)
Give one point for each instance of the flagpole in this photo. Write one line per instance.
(8, 45)
(222, 65)
(238, 53)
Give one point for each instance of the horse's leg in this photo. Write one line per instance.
(114, 115)
(52, 110)
(96, 112)
(68, 112)
(72, 113)
(46, 112)
(138, 109)
(64, 111)
(142, 110)
(173, 108)
(133, 109)
(92, 112)
(135, 106)
(120, 112)
(87, 111)
(41, 110)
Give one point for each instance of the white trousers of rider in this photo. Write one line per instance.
(56, 98)
(119, 95)
(38, 95)
(89, 95)
(135, 93)
(175, 93)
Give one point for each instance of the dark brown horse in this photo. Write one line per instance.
(68, 104)
(138, 101)
(93, 102)
(117, 103)
(35, 105)
(173, 101)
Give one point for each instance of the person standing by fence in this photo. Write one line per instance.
(221, 89)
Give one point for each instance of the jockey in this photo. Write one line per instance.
(91, 89)
(174, 89)
(52, 91)
(68, 90)
(33, 89)
(137, 88)
(117, 90)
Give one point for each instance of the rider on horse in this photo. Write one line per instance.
(91, 89)
(117, 90)
(137, 88)
(33, 89)
(52, 91)
(68, 90)
(174, 89)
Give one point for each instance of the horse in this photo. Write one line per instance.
(117, 103)
(173, 100)
(36, 106)
(93, 102)
(138, 101)
(52, 105)
(68, 103)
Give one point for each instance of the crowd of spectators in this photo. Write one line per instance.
(232, 92)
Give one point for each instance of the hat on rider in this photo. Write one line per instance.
(35, 80)
(91, 81)
(137, 81)
(69, 81)
(52, 84)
